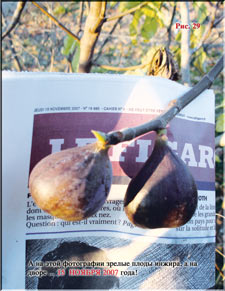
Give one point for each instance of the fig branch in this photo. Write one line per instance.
(175, 106)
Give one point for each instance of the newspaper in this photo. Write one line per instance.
(48, 112)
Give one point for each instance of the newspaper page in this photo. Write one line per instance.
(45, 113)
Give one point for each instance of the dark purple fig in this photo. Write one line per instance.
(73, 184)
(163, 193)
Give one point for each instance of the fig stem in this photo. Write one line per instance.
(160, 122)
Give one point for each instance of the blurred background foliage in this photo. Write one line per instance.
(128, 37)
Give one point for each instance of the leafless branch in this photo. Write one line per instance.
(30, 54)
(209, 45)
(220, 253)
(174, 108)
(15, 18)
(220, 273)
(217, 21)
(51, 66)
(107, 39)
(13, 50)
(212, 45)
(14, 53)
(169, 31)
(81, 12)
(110, 18)
(40, 6)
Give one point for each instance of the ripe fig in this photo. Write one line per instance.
(73, 184)
(163, 193)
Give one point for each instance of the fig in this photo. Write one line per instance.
(163, 194)
(73, 184)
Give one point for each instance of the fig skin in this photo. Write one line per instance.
(72, 184)
(163, 194)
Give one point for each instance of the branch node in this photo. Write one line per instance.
(129, 131)
(210, 78)
(114, 137)
(163, 123)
